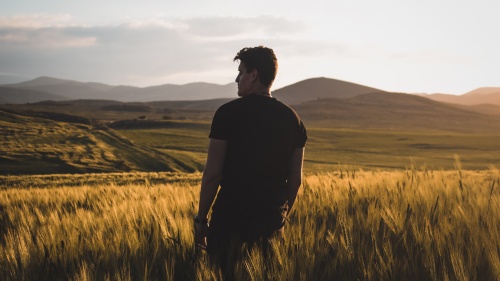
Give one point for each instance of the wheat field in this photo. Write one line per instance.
(346, 225)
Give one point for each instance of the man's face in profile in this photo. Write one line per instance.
(244, 80)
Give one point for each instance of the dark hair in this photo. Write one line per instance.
(263, 60)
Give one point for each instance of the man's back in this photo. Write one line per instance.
(261, 134)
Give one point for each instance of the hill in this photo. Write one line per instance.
(489, 109)
(18, 95)
(47, 144)
(109, 110)
(169, 92)
(314, 88)
(68, 89)
(73, 90)
(395, 111)
(486, 95)
(381, 110)
(484, 91)
(48, 88)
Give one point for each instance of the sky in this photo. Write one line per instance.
(424, 46)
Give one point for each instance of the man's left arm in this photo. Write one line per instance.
(294, 180)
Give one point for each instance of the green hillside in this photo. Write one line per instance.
(36, 145)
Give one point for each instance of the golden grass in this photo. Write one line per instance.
(346, 225)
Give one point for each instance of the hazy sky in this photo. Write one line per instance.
(408, 46)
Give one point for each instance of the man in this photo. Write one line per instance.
(255, 154)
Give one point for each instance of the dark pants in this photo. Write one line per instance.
(225, 242)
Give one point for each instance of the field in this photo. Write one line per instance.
(53, 142)
(83, 201)
(346, 225)
(48, 143)
(328, 148)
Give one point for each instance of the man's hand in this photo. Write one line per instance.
(200, 234)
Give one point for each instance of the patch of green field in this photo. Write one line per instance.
(399, 150)
(192, 161)
(33, 145)
(182, 139)
(188, 145)
(328, 148)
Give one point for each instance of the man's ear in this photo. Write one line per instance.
(255, 75)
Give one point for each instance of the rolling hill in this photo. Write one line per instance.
(296, 93)
(484, 108)
(484, 91)
(381, 110)
(49, 143)
(395, 111)
(322, 101)
(169, 92)
(48, 88)
(109, 110)
(316, 88)
(16, 95)
(73, 90)
(485, 95)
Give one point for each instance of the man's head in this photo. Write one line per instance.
(257, 65)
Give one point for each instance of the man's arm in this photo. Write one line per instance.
(211, 175)
(209, 186)
(295, 176)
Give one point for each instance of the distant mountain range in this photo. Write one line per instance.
(486, 95)
(54, 89)
(48, 88)
(20, 95)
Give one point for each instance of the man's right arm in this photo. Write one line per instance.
(294, 180)
(209, 186)
(211, 175)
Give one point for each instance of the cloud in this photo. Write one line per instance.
(61, 31)
(179, 50)
(15, 28)
(52, 38)
(35, 21)
(262, 26)
(157, 22)
(41, 31)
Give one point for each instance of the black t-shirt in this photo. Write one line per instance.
(261, 134)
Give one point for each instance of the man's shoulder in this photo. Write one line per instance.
(237, 104)
(283, 105)
(286, 108)
(274, 105)
(230, 108)
(231, 103)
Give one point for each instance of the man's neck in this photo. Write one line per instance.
(265, 94)
(261, 90)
